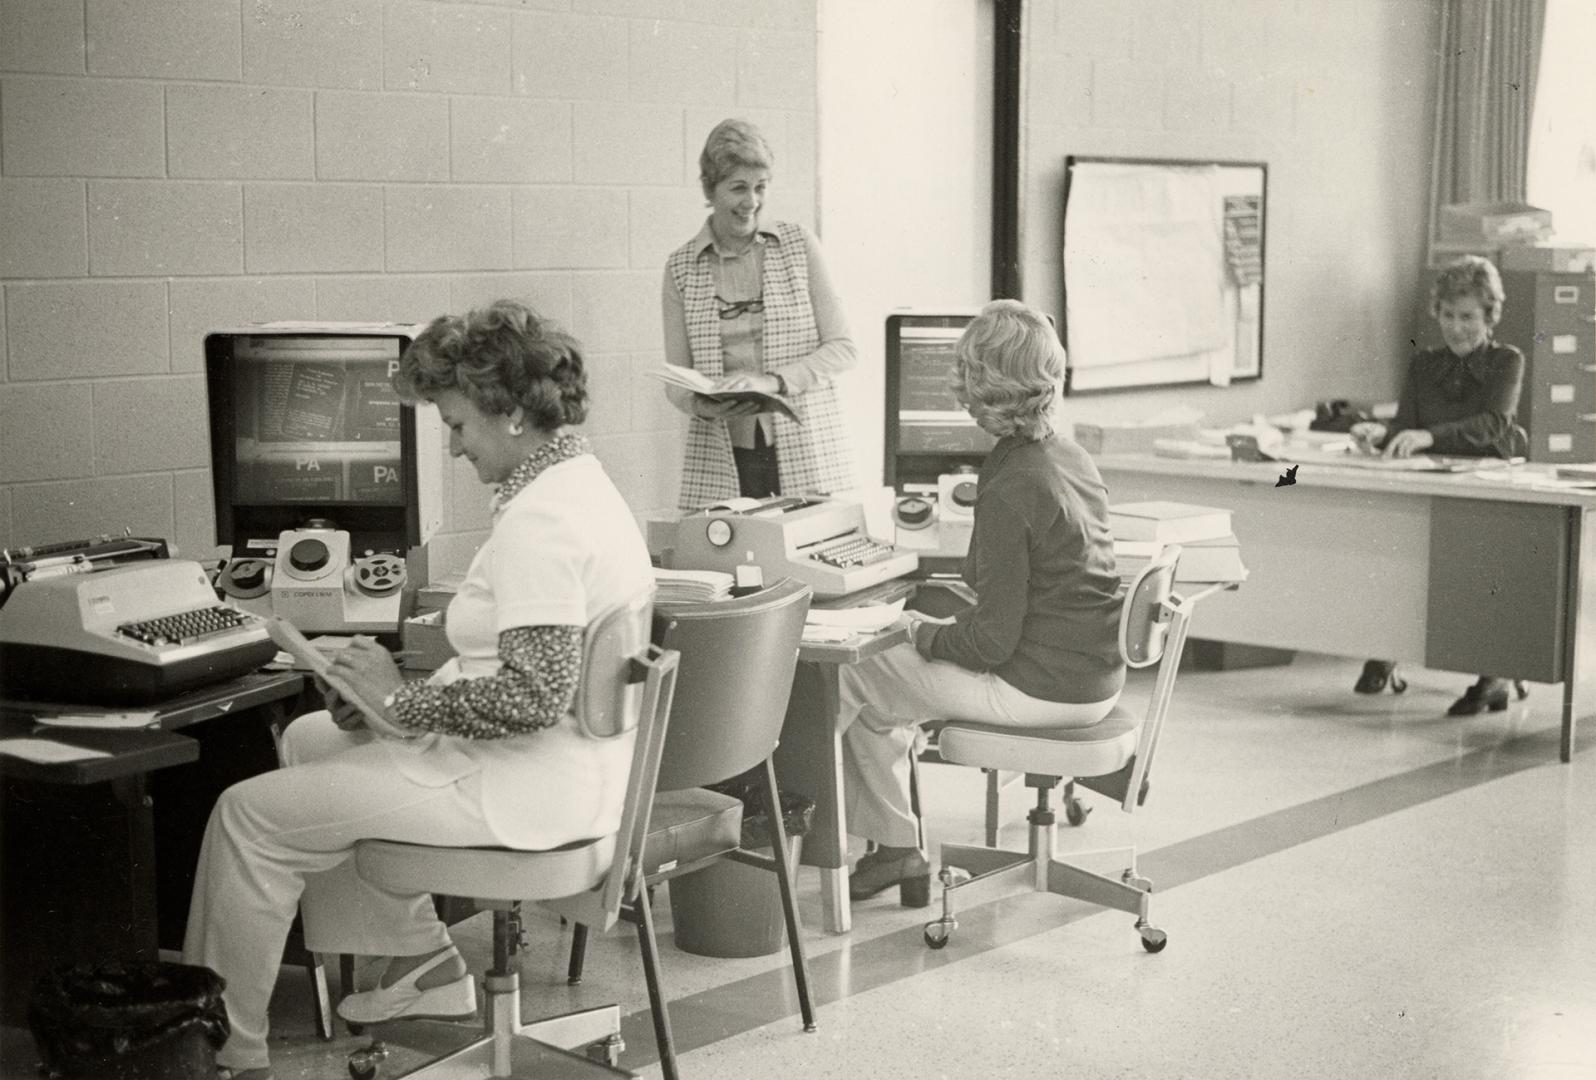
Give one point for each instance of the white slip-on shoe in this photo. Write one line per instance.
(451, 1001)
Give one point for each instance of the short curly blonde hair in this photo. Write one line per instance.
(1470, 276)
(1009, 371)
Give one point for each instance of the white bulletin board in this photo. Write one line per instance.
(1163, 272)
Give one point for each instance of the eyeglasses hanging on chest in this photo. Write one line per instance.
(731, 309)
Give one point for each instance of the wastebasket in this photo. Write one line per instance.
(729, 909)
(141, 1021)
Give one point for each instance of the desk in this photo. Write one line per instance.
(809, 762)
(1450, 571)
(82, 840)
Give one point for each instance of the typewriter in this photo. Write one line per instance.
(129, 633)
(819, 541)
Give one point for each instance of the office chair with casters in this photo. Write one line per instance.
(734, 677)
(1113, 757)
(626, 685)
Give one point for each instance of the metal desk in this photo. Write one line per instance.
(1450, 571)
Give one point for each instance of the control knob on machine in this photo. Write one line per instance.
(308, 555)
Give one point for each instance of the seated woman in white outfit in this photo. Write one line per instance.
(486, 752)
(1039, 649)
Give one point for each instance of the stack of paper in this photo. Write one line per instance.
(690, 586)
(1201, 561)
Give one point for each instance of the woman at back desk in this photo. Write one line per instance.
(1459, 399)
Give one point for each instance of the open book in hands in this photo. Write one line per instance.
(288, 638)
(687, 378)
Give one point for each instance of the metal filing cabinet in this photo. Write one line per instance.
(1551, 318)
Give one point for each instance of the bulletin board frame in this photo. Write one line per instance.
(1233, 231)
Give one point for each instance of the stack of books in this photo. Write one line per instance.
(690, 586)
(1209, 550)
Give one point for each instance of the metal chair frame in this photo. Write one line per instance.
(1153, 630)
(626, 684)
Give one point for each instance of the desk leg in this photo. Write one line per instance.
(1579, 640)
(809, 761)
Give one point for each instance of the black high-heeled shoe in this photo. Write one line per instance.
(879, 871)
(1487, 694)
(1376, 674)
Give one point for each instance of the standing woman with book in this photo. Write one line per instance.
(1040, 646)
(487, 752)
(750, 305)
(1460, 398)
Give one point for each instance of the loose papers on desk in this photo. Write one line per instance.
(48, 751)
(832, 625)
(690, 586)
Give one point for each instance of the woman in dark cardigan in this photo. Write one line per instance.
(1459, 399)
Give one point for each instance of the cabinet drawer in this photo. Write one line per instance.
(1553, 393)
(1564, 304)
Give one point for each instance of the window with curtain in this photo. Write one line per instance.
(1561, 175)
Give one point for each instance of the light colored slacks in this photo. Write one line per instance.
(284, 836)
(882, 702)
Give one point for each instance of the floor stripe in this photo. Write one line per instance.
(737, 1007)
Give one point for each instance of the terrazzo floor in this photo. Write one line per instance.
(1352, 886)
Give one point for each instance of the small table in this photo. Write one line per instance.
(80, 841)
(809, 756)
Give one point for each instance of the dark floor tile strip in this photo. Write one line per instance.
(712, 1015)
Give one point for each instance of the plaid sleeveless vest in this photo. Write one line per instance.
(811, 456)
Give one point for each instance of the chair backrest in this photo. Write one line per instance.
(733, 681)
(626, 683)
(607, 697)
(1152, 629)
(1142, 623)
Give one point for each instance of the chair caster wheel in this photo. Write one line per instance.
(1075, 811)
(1398, 683)
(607, 1051)
(1153, 939)
(355, 1029)
(937, 934)
(363, 1063)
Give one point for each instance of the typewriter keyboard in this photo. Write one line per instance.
(852, 551)
(185, 626)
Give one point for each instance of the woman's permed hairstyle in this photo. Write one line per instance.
(1470, 276)
(1008, 369)
(732, 144)
(499, 356)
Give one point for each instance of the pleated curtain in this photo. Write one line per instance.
(1485, 97)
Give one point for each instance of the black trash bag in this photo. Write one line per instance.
(797, 811)
(129, 1021)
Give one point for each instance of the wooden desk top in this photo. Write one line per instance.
(1311, 473)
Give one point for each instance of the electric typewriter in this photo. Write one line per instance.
(821, 542)
(116, 621)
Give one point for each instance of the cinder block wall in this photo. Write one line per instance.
(1336, 96)
(169, 166)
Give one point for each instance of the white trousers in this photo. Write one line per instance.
(882, 702)
(284, 838)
